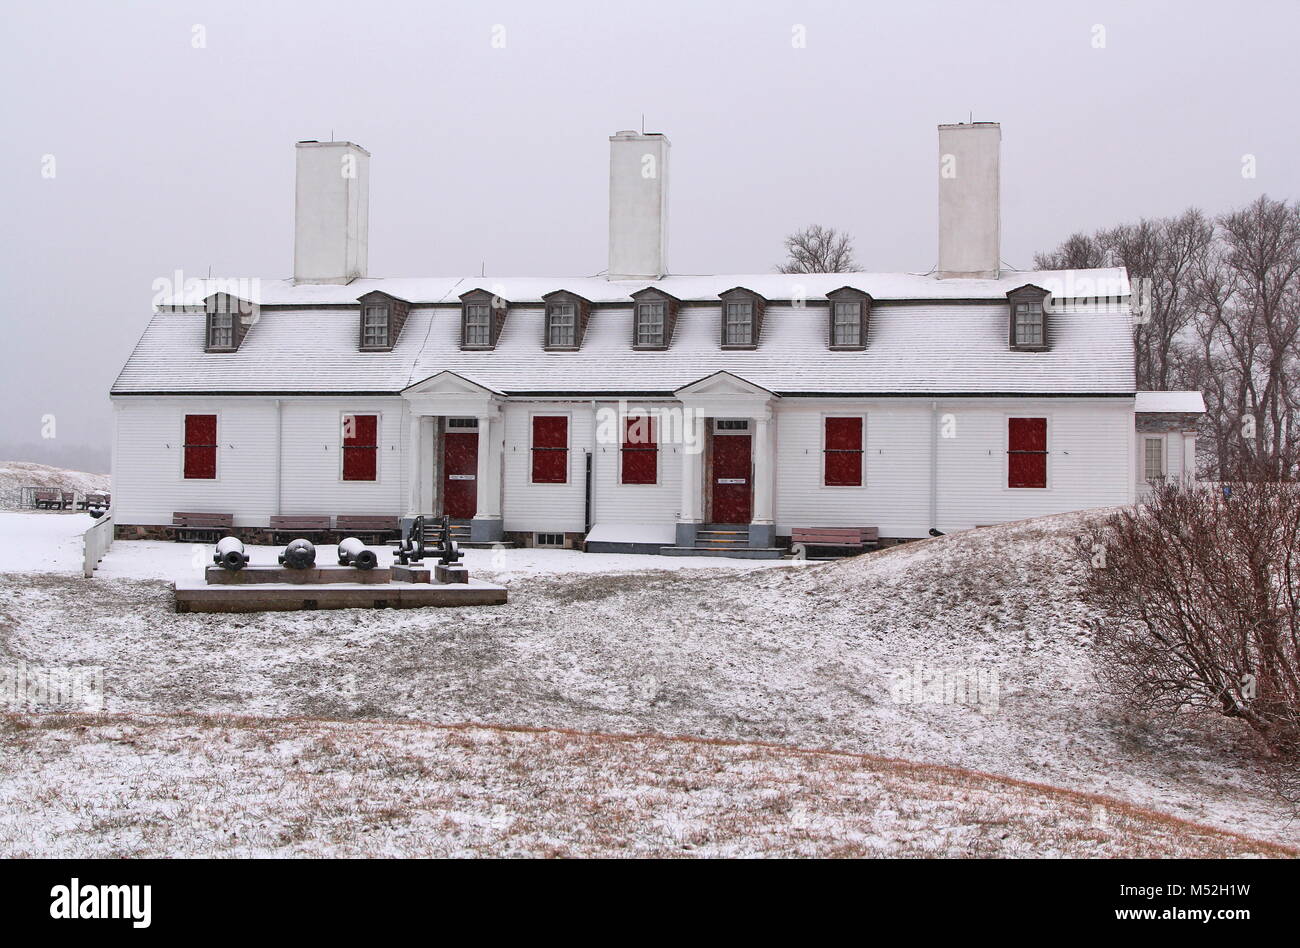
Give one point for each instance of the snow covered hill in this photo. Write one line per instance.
(844, 656)
(15, 475)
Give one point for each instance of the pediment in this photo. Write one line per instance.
(725, 383)
(447, 382)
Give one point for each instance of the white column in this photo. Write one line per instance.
(413, 466)
(428, 438)
(487, 490)
(692, 477)
(763, 468)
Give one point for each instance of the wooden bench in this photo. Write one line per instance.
(294, 527)
(193, 527)
(370, 529)
(92, 500)
(49, 499)
(847, 538)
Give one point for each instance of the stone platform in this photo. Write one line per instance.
(197, 596)
(216, 576)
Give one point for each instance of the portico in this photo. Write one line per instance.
(455, 436)
(728, 459)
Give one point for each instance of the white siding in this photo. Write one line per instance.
(1088, 463)
(545, 507)
(616, 502)
(313, 463)
(896, 469)
(148, 485)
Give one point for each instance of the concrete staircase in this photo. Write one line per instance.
(724, 539)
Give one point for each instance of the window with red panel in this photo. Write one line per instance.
(640, 452)
(360, 447)
(200, 447)
(843, 451)
(1026, 452)
(550, 449)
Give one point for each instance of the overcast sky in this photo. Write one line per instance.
(167, 156)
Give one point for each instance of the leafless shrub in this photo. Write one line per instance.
(1200, 590)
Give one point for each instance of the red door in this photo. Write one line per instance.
(732, 496)
(459, 470)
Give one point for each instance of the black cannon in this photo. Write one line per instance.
(230, 554)
(299, 554)
(352, 552)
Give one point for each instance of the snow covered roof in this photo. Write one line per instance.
(1063, 284)
(1169, 402)
(922, 348)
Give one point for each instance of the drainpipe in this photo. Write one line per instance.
(589, 514)
(934, 467)
(279, 452)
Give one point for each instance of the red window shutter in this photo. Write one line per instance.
(360, 447)
(1026, 452)
(550, 449)
(843, 466)
(640, 453)
(200, 447)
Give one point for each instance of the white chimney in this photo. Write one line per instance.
(970, 217)
(638, 206)
(331, 213)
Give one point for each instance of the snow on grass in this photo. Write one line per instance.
(182, 786)
(802, 655)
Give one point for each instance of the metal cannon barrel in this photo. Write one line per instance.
(352, 552)
(230, 554)
(299, 554)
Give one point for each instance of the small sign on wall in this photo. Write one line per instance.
(460, 477)
(731, 480)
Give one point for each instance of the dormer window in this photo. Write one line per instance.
(221, 331)
(478, 324)
(228, 320)
(650, 320)
(382, 318)
(742, 318)
(561, 326)
(482, 316)
(1028, 312)
(374, 327)
(850, 310)
(654, 315)
(565, 320)
(739, 328)
(1029, 324)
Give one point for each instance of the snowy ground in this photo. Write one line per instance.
(806, 655)
(185, 786)
(41, 545)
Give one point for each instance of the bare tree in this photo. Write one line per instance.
(1200, 593)
(1220, 312)
(1248, 328)
(818, 249)
(1161, 257)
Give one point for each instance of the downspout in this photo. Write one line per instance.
(934, 468)
(589, 513)
(279, 452)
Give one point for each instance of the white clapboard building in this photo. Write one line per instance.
(644, 410)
